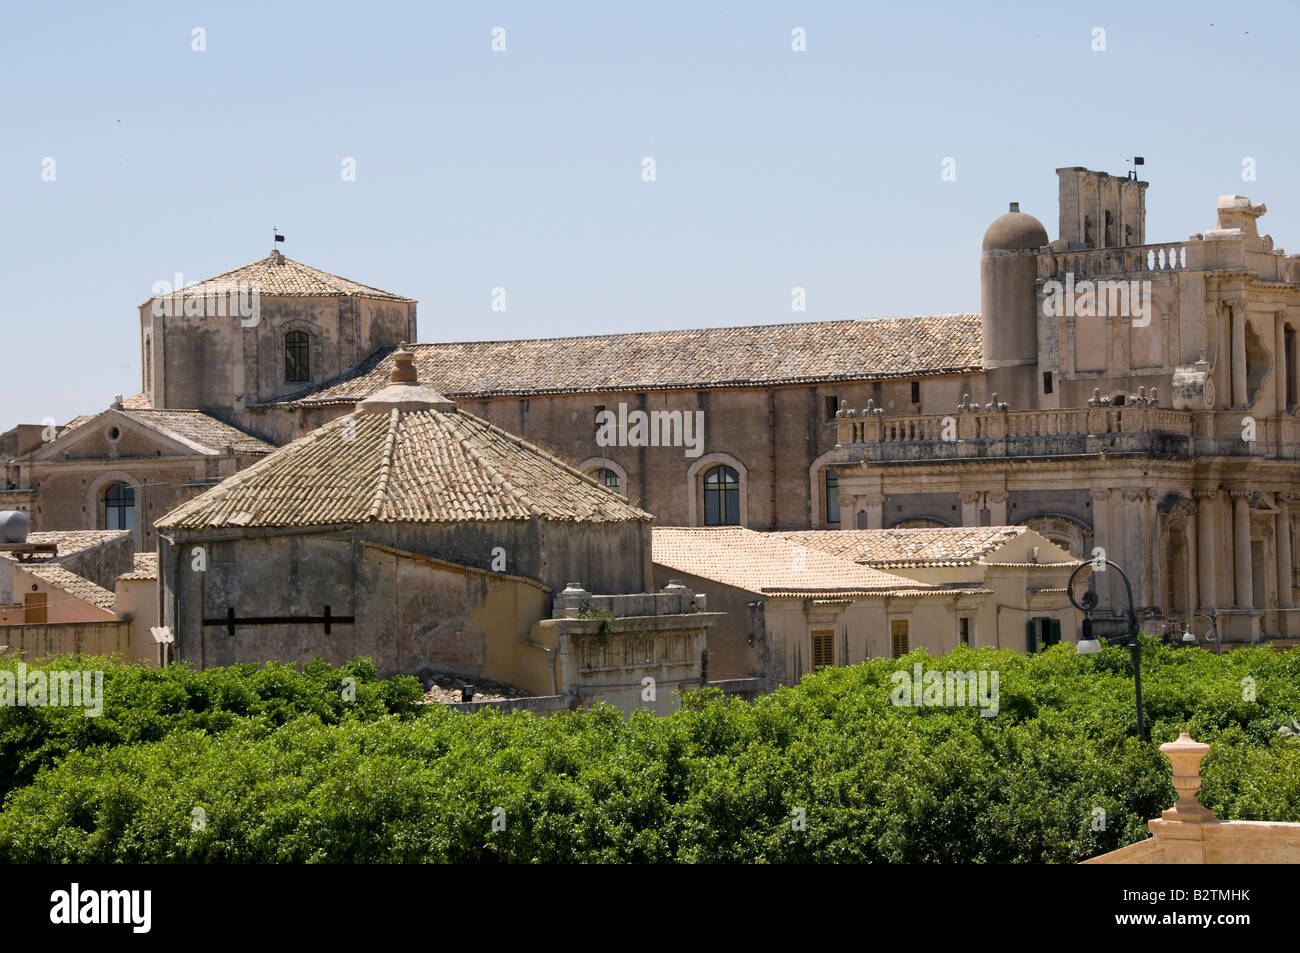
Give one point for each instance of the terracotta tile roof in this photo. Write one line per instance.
(419, 466)
(73, 584)
(766, 563)
(136, 402)
(888, 548)
(146, 567)
(70, 543)
(198, 428)
(277, 275)
(707, 357)
(77, 421)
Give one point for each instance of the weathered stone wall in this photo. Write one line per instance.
(218, 365)
(36, 642)
(411, 614)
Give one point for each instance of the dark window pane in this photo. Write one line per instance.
(119, 507)
(297, 356)
(722, 497)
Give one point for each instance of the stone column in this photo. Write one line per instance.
(1241, 549)
(1101, 537)
(1191, 580)
(970, 507)
(1283, 554)
(1206, 557)
(1238, 312)
(1138, 556)
(997, 502)
(875, 506)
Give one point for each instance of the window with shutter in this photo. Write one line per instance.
(823, 649)
(898, 637)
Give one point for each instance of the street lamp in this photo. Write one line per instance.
(1190, 637)
(1089, 645)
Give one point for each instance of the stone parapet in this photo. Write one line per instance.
(1083, 430)
(1188, 833)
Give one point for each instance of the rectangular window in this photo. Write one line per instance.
(832, 406)
(832, 495)
(1288, 360)
(1047, 382)
(963, 627)
(823, 649)
(1043, 633)
(916, 392)
(35, 607)
(898, 638)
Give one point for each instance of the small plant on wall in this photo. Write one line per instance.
(588, 611)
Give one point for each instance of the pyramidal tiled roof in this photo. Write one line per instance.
(277, 275)
(931, 546)
(766, 563)
(703, 357)
(402, 465)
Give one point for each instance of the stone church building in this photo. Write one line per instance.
(1138, 397)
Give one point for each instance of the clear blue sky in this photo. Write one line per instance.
(522, 169)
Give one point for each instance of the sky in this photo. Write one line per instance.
(524, 168)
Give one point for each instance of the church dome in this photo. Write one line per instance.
(1015, 231)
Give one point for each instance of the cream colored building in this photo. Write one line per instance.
(796, 602)
(1025, 575)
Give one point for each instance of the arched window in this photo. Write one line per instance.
(722, 497)
(605, 476)
(297, 357)
(119, 507)
(832, 495)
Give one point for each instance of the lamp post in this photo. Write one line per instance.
(1088, 645)
(1190, 638)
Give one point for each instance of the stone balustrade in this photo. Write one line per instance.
(1128, 428)
(1129, 260)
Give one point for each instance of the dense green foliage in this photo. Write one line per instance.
(281, 768)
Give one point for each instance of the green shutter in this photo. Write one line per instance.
(1054, 638)
(1033, 635)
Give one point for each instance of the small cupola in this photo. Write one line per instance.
(404, 391)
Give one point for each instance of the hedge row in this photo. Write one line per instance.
(239, 765)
